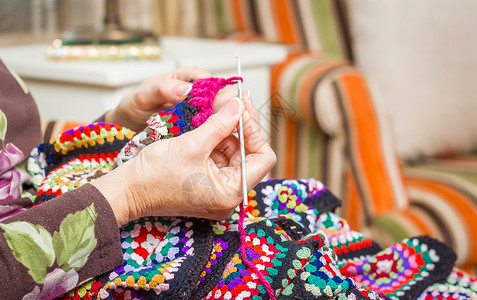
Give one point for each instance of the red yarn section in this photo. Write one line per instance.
(248, 263)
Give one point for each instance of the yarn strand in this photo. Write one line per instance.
(248, 263)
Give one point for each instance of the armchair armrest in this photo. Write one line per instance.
(351, 144)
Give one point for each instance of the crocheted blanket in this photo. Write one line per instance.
(292, 236)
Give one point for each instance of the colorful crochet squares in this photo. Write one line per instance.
(457, 286)
(346, 243)
(76, 157)
(300, 200)
(404, 270)
(280, 261)
(162, 257)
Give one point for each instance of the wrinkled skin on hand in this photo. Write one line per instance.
(197, 174)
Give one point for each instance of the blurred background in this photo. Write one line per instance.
(420, 53)
(381, 96)
(36, 21)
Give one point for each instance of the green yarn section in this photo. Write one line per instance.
(328, 222)
(133, 263)
(262, 289)
(232, 276)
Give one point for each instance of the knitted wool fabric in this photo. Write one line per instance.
(293, 238)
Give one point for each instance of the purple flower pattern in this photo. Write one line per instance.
(11, 178)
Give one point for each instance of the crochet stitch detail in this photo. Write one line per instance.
(204, 91)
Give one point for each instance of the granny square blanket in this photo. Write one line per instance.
(286, 244)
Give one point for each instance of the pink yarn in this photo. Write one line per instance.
(204, 91)
(248, 263)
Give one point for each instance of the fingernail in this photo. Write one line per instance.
(232, 107)
(249, 94)
(184, 90)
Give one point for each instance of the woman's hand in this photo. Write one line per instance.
(197, 174)
(157, 94)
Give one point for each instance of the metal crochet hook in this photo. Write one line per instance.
(242, 143)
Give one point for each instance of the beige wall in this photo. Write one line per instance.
(423, 56)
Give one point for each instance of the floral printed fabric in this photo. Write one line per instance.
(38, 250)
(11, 178)
(52, 248)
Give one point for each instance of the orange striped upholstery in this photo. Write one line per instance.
(373, 164)
(464, 212)
(427, 199)
(352, 153)
(305, 25)
(297, 138)
(439, 208)
(372, 159)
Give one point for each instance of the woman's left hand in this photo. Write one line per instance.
(157, 94)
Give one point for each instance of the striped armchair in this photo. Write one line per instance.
(329, 123)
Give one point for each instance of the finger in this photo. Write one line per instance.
(230, 147)
(236, 159)
(159, 92)
(173, 90)
(219, 158)
(190, 73)
(217, 127)
(253, 137)
(257, 166)
(261, 157)
(223, 96)
(247, 99)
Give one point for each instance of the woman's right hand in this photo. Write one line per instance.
(197, 174)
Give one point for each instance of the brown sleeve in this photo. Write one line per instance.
(23, 127)
(86, 202)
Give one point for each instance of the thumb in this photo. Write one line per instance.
(219, 125)
(169, 90)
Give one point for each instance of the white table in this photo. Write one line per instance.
(83, 90)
